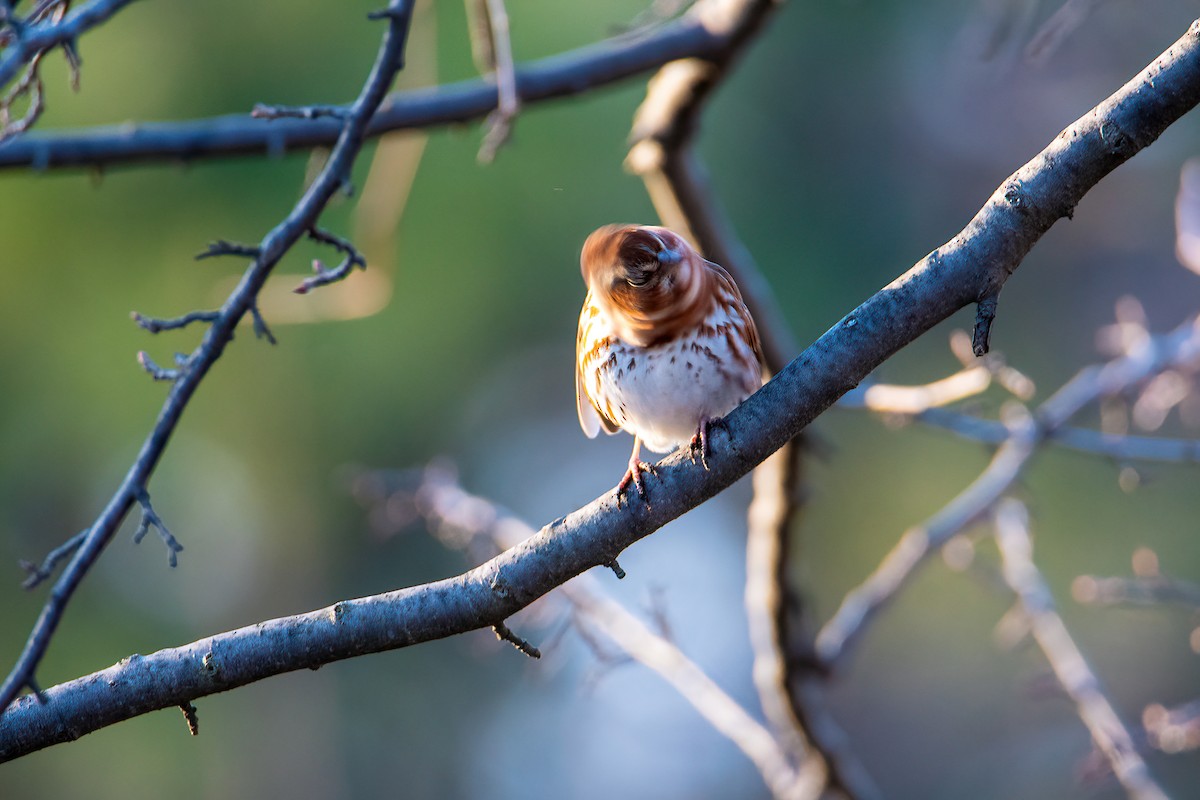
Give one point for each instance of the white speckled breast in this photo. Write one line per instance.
(661, 392)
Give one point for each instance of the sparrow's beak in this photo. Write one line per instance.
(668, 256)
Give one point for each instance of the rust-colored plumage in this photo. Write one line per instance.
(665, 344)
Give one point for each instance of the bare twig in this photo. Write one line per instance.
(273, 247)
(261, 330)
(504, 634)
(156, 325)
(322, 275)
(191, 718)
(498, 125)
(1141, 591)
(264, 111)
(36, 573)
(151, 519)
(562, 75)
(155, 371)
(1069, 665)
(913, 400)
(30, 86)
(461, 520)
(1119, 447)
(791, 692)
(224, 248)
(26, 41)
(1182, 347)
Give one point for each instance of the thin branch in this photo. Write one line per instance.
(791, 691)
(151, 519)
(155, 325)
(563, 75)
(498, 125)
(1068, 663)
(224, 248)
(1141, 591)
(261, 330)
(273, 247)
(155, 371)
(191, 718)
(1117, 446)
(996, 240)
(39, 37)
(462, 520)
(322, 275)
(264, 111)
(36, 573)
(1152, 356)
(504, 634)
(913, 400)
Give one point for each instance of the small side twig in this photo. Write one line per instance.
(499, 123)
(985, 313)
(155, 371)
(260, 325)
(190, 717)
(156, 325)
(505, 634)
(461, 520)
(36, 573)
(223, 248)
(323, 275)
(264, 111)
(30, 83)
(1149, 357)
(1120, 447)
(1076, 677)
(1140, 591)
(303, 217)
(150, 519)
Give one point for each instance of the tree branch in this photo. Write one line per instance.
(239, 134)
(1147, 358)
(272, 248)
(1072, 670)
(446, 504)
(988, 250)
(31, 40)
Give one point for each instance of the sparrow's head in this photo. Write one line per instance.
(643, 276)
(632, 263)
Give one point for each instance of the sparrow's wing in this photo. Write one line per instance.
(591, 418)
(726, 285)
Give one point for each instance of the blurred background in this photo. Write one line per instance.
(853, 139)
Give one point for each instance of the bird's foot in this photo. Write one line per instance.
(634, 475)
(700, 444)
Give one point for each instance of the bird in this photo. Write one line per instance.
(666, 346)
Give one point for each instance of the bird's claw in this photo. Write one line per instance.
(634, 475)
(700, 442)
